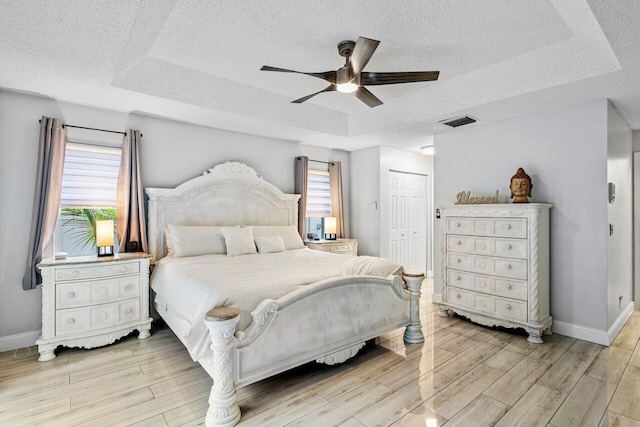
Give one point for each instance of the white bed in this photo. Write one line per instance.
(293, 307)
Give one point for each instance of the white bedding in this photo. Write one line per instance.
(191, 286)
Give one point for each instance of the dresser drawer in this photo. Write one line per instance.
(510, 248)
(101, 316)
(459, 296)
(483, 264)
(460, 261)
(510, 227)
(71, 321)
(459, 225)
(510, 309)
(460, 279)
(483, 302)
(462, 244)
(97, 271)
(512, 268)
(511, 288)
(483, 284)
(93, 292)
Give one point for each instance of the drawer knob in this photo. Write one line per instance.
(508, 306)
(458, 296)
(508, 266)
(509, 247)
(458, 224)
(458, 243)
(458, 260)
(458, 278)
(508, 226)
(128, 311)
(71, 321)
(509, 286)
(71, 294)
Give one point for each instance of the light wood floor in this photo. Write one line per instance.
(464, 375)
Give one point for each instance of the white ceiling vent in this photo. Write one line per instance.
(458, 121)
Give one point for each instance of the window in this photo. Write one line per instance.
(89, 185)
(318, 202)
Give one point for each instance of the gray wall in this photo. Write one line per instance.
(565, 152)
(620, 214)
(370, 179)
(172, 152)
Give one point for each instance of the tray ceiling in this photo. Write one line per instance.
(198, 61)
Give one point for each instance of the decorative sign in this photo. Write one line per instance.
(465, 198)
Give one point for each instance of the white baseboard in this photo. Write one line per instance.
(12, 342)
(614, 330)
(580, 332)
(594, 335)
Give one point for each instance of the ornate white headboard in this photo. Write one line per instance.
(230, 193)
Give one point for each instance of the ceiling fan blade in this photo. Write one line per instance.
(329, 88)
(362, 53)
(367, 97)
(329, 76)
(368, 78)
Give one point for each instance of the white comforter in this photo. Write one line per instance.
(193, 285)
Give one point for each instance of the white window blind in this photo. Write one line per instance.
(90, 176)
(318, 194)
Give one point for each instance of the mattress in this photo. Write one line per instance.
(189, 287)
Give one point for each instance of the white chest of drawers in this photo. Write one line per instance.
(90, 302)
(338, 246)
(495, 265)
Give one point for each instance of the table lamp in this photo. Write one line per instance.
(330, 228)
(104, 237)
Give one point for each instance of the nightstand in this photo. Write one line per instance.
(339, 246)
(90, 302)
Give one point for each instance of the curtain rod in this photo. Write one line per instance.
(99, 130)
(320, 161)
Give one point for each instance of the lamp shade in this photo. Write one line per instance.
(330, 225)
(104, 233)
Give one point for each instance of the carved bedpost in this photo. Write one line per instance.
(413, 333)
(223, 408)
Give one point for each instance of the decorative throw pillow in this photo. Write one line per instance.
(269, 245)
(196, 240)
(289, 234)
(239, 241)
(169, 241)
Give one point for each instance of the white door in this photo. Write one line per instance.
(408, 216)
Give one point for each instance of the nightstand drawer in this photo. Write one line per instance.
(101, 316)
(76, 273)
(78, 294)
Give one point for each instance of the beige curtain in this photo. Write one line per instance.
(130, 214)
(301, 182)
(335, 183)
(46, 201)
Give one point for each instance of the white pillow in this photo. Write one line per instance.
(239, 241)
(270, 245)
(289, 234)
(196, 240)
(169, 241)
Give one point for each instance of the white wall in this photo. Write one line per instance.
(172, 152)
(370, 200)
(565, 153)
(620, 214)
(365, 200)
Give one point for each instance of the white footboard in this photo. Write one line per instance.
(327, 321)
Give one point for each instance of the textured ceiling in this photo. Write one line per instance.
(198, 61)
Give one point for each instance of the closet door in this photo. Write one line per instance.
(408, 217)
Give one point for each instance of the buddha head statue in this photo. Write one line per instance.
(520, 187)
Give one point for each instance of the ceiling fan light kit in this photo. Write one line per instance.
(351, 79)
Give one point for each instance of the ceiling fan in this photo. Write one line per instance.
(351, 78)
